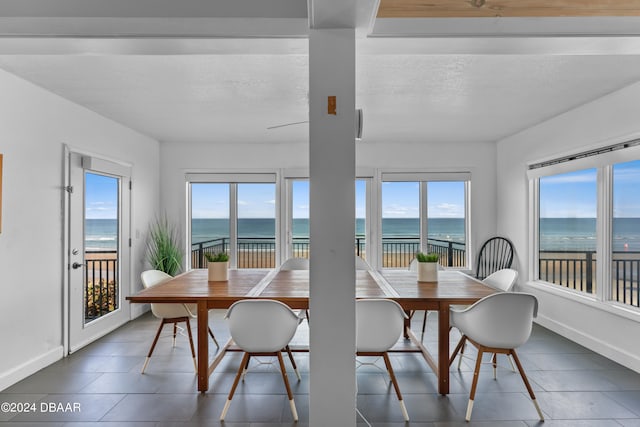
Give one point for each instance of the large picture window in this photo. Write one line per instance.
(427, 214)
(238, 218)
(588, 223)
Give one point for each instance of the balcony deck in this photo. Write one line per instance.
(574, 386)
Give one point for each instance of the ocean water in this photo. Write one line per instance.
(567, 234)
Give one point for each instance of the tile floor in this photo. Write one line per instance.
(574, 386)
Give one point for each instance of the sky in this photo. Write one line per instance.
(574, 194)
(400, 200)
(569, 195)
(101, 196)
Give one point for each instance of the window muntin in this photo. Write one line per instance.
(567, 229)
(625, 235)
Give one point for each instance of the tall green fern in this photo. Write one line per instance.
(163, 247)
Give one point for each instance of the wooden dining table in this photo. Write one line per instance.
(292, 288)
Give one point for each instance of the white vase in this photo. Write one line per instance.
(427, 272)
(218, 271)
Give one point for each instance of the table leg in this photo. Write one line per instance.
(443, 349)
(407, 323)
(203, 347)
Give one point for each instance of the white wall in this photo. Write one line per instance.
(613, 117)
(35, 126)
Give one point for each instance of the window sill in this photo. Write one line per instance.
(627, 312)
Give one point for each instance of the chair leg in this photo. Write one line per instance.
(494, 362)
(457, 349)
(394, 381)
(245, 360)
(153, 345)
(246, 367)
(293, 362)
(526, 383)
(474, 385)
(175, 332)
(193, 351)
(213, 338)
(513, 368)
(424, 324)
(292, 404)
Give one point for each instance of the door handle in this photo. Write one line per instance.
(77, 265)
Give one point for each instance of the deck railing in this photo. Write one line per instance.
(101, 284)
(260, 252)
(577, 270)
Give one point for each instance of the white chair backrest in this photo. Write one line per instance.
(261, 325)
(413, 265)
(503, 280)
(152, 278)
(362, 264)
(295, 264)
(501, 320)
(379, 324)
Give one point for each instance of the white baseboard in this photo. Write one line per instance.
(30, 367)
(629, 360)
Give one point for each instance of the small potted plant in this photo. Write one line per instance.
(427, 266)
(218, 266)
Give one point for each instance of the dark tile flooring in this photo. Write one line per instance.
(574, 386)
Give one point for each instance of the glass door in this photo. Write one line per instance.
(98, 250)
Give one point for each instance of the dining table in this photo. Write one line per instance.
(292, 288)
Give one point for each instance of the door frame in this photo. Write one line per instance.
(125, 256)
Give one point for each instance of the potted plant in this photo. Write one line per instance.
(427, 266)
(163, 247)
(218, 266)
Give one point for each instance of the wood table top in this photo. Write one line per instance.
(193, 286)
(452, 286)
(292, 286)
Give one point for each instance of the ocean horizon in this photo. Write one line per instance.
(556, 234)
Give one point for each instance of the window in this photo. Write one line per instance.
(234, 217)
(625, 236)
(587, 223)
(298, 235)
(428, 214)
(567, 230)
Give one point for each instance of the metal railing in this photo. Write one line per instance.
(101, 284)
(259, 252)
(577, 270)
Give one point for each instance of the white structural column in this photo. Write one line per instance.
(332, 228)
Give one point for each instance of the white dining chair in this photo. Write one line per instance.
(361, 264)
(170, 314)
(498, 323)
(262, 327)
(502, 280)
(379, 325)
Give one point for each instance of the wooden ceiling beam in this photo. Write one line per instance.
(506, 8)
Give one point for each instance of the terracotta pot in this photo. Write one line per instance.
(427, 272)
(218, 271)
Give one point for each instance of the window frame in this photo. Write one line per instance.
(603, 162)
(232, 179)
(424, 177)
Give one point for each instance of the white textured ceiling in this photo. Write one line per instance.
(423, 88)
